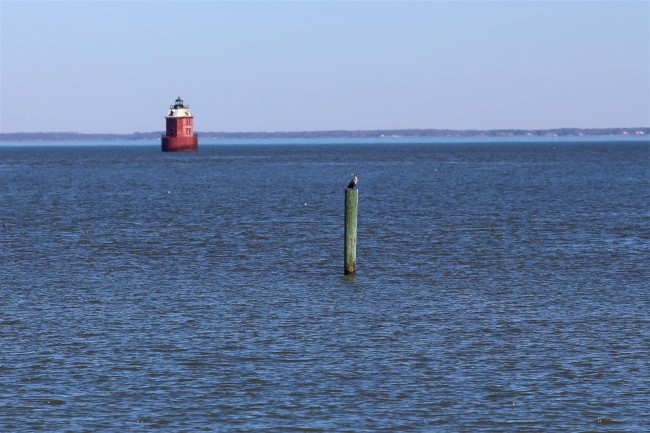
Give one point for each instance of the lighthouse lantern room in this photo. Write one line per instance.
(179, 135)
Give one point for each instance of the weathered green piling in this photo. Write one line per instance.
(350, 249)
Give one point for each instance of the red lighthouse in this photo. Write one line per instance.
(180, 136)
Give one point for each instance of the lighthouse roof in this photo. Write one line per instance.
(179, 109)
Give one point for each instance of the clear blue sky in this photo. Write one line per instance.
(116, 66)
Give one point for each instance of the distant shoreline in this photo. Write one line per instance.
(388, 133)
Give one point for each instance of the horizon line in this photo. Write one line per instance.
(363, 132)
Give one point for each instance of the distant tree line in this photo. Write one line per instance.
(450, 133)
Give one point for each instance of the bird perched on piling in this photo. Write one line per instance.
(353, 182)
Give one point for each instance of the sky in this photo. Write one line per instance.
(116, 66)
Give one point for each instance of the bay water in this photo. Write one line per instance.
(502, 286)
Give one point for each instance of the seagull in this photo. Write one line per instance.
(353, 182)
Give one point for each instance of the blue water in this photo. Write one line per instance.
(502, 286)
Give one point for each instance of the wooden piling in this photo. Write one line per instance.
(350, 248)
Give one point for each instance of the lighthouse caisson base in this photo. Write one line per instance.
(180, 144)
(179, 135)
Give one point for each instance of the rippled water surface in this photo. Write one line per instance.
(500, 287)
